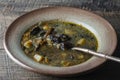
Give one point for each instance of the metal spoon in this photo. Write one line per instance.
(98, 54)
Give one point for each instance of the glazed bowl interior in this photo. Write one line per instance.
(103, 31)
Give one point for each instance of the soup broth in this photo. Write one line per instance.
(50, 43)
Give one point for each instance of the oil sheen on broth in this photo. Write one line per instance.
(50, 43)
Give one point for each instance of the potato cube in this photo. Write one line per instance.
(46, 27)
(81, 56)
(38, 57)
(81, 42)
(28, 44)
(69, 32)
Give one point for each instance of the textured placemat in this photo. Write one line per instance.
(11, 9)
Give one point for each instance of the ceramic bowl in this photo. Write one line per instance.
(103, 31)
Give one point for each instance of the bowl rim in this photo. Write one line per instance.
(60, 73)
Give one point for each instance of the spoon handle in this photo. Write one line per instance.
(98, 54)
